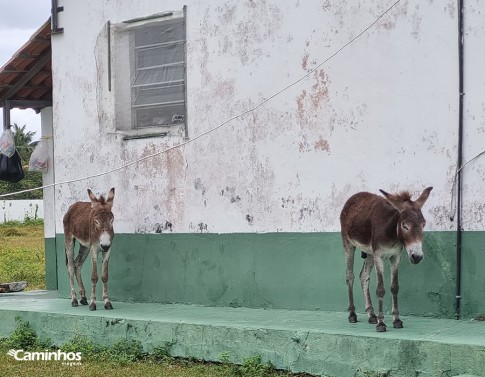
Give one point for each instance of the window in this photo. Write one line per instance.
(149, 74)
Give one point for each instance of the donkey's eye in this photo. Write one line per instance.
(112, 221)
(96, 222)
(405, 226)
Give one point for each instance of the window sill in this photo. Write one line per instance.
(143, 136)
(149, 132)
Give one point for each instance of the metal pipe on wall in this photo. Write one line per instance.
(459, 162)
(55, 29)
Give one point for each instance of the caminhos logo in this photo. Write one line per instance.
(12, 353)
(71, 358)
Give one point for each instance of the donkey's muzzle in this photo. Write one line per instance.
(415, 258)
(105, 241)
(415, 252)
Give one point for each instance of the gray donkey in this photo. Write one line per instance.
(91, 223)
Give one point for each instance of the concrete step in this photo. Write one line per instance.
(320, 343)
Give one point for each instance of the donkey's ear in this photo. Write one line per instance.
(395, 200)
(92, 197)
(111, 195)
(423, 197)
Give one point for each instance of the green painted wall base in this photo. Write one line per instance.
(321, 343)
(51, 267)
(301, 271)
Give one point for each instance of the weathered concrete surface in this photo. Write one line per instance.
(300, 271)
(321, 343)
(381, 114)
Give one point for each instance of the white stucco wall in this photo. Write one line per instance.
(383, 113)
(49, 176)
(474, 116)
(19, 210)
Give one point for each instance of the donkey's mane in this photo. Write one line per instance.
(405, 196)
(102, 199)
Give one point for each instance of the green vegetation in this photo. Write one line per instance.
(123, 358)
(24, 337)
(32, 179)
(22, 253)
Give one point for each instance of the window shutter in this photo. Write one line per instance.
(149, 74)
(158, 76)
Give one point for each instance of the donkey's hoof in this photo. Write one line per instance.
(74, 303)
(84, 301)
(373, 319)
(381, 327)
(352, 318)
(397, 323)
(92, 307)
(108, 306)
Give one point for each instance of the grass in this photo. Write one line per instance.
(22, 253)
(123, 358)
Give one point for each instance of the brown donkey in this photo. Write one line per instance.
(381, 228)
(92, 225)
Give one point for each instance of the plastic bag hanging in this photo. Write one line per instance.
(11, 168)
(39, 157)
(7, 143)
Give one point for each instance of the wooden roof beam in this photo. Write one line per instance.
(39, 64)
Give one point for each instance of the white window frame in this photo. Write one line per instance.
(126, 69)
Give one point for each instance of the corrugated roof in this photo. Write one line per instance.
(27, 76)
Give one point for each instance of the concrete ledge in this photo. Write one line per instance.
(321, 343)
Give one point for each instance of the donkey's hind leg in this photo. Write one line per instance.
(78, 264)
(364, 280)
(69, 245)
(349, 259)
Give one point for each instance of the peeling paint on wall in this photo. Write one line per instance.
(322, 145)
(380, 114)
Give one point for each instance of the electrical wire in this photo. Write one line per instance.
(453, 187)
(220, 125)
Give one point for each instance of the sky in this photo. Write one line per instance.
(19, 19)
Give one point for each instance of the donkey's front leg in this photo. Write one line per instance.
(104, 279)
(381, 291)
(397, 323)
(94, 276)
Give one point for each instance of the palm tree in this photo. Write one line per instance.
(25, 147)
(23, 141)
